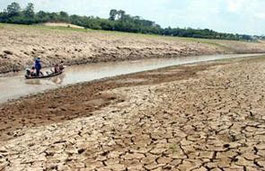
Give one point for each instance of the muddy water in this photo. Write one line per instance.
(15, 85)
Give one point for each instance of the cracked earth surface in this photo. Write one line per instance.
(196, 117)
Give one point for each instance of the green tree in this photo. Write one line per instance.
(41, 14)
(3, 17)
(136, 18)
(121, 14)
(112, 15)
(64, 16)
(29, 10)
(13, 9)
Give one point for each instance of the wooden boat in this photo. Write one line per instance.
(53, 74)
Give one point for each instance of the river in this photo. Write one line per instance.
(15, 85)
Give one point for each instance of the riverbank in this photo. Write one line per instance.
(180, 118)
(20, 44)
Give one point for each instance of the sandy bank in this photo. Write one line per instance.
(195, 117)
(20, 44)
(63, 25)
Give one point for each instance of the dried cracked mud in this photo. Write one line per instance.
(194, 117)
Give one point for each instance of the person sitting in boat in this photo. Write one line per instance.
(61, 66)
(38, 67)
(30, 72)
(56, 68)
(27, 72)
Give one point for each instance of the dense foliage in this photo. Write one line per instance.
(118, 21)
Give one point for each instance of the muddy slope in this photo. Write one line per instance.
(20, 44)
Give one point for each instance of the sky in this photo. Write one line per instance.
(232, 16)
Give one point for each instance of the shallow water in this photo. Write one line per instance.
(16, 85)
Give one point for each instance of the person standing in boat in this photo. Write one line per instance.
(38, 67)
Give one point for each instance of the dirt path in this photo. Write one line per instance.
(201, 117)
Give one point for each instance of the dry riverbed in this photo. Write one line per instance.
(20, 44)
(195, 117)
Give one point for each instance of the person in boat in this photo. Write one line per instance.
(61, 66)
(30, 72)
(38, 67)
(56, 68)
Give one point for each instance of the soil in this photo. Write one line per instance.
(194, 117)
(58, 24)
(20, 44)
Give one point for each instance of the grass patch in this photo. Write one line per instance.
(59, 28)
(114, 33)
(1, 26)
(221, 43)
(46, 28)
(62, 28)
(212, 42)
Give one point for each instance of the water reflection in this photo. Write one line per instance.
(33, 82)
(58, 80)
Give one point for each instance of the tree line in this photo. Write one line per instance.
(118, 21)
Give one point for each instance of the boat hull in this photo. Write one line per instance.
(45, 76)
